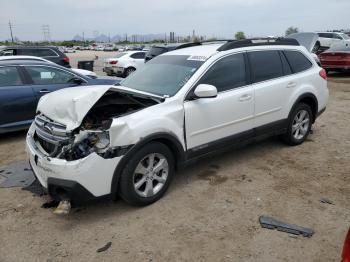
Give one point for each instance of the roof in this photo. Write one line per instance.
(27, 62)
(27, 46)
(201, 50)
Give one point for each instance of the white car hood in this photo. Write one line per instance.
(69, 106)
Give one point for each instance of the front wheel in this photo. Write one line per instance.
(147, 175)
(299, 125)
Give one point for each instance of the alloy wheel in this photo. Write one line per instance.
(150, 175)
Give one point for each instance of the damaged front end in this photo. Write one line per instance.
(92, 135)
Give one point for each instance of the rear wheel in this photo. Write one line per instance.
(299, 125)
(129, 71)
(147, 175)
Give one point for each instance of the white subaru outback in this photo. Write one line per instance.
(128, 140)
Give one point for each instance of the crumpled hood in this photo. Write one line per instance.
(69, 106)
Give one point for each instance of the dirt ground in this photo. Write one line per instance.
(211, 210)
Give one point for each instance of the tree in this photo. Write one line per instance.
(292, 30)
(240, 35)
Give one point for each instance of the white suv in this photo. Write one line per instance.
(128, 140)
(123, 64)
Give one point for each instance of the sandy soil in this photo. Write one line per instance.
(211, 210)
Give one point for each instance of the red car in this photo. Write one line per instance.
(337, 59)
(346, 249)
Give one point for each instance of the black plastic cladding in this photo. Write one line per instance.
(250, 42)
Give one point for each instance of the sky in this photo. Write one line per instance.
(215, 18)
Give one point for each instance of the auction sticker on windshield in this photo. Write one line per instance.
(197, 58)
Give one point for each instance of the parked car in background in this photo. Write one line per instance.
(127, 140)
(346, 249)
(123, 64)
(52, 54)
(23, 82)
(327, 39)
(36, 58)
(69, 50)
(336, 58)
(157, 50)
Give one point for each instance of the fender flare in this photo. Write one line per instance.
(171, 141)
(300, 98)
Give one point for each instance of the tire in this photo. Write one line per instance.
(137, 176)
(299, 125)
(129, 71)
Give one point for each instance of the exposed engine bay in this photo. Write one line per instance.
(93, 133)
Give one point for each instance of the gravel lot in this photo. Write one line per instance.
(211, 210)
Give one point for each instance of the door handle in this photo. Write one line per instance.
(44, 91)
(291, 85)
(245, 97)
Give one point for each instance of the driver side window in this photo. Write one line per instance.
(42, 75)
(228, 73)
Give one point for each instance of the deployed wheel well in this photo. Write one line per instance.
(312, 102)
(169, 140)
(175, 150)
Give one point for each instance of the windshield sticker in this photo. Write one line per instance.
(197, 58)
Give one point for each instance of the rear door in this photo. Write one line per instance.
(138, 59)
(45, 79)
(271, 87)
(17, 99)
(210, 121)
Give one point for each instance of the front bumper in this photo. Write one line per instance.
(92, 175)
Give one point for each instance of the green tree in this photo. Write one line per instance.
(240, 35)
(292, 30)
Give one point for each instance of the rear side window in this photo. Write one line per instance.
(9, 76)
(297, 61)
(47, 75)
(265, 65)
(139, 55)
(227, 73)
(7, 52)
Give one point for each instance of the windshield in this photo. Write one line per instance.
(163, 75)
(345, 36)
(156, 50)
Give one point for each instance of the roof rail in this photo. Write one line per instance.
(199, 43)
(232, 44)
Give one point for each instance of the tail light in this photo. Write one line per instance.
(66, 59)
(114, 62)
(346, 249)
(323, 74)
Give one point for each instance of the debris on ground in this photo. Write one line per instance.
(17, 174)
(271, 223)
(63, 208)
(50, 204)
(326, 201)
(104, 248)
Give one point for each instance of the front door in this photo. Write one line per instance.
(230, 114)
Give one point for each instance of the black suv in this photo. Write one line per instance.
(157, 50)
(50, 53)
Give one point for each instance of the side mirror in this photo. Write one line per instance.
(76, 81)
(205, 91)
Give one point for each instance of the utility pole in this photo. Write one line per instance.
(10, 26)
(46, 33)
